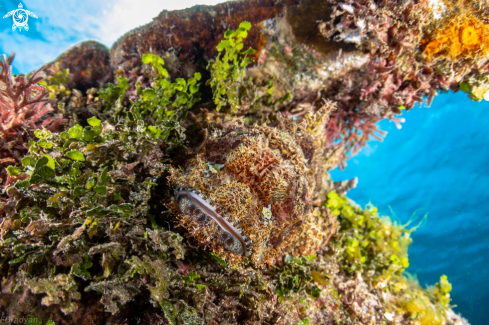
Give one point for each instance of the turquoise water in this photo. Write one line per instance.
(438, 161)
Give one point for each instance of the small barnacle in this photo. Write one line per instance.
(260, 196)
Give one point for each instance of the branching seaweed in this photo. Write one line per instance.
(23, 109)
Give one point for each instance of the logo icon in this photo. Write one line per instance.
(20, 17)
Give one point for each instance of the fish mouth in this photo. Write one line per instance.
(192, 204)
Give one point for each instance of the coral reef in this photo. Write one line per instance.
(186, 181)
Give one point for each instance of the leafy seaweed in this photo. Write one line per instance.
(229, 70)
(294, 277)
(113, 92)
(369, 242)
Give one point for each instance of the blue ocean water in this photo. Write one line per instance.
(438, 161)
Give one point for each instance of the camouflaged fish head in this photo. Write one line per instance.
(248, 190)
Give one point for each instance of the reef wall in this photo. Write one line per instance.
(182, 177)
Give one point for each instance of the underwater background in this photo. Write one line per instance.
(437, 164)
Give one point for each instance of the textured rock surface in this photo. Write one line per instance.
(89, 65)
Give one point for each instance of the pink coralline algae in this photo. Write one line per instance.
(23, 109)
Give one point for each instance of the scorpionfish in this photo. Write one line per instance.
(249, 190)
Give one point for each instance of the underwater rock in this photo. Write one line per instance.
(189, 35)
(88, 64)
(365, 54)
(373, 58)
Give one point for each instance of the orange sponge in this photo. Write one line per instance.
(462, 37)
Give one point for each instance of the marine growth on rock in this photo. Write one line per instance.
(166, 184)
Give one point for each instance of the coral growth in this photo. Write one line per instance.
(460, 37)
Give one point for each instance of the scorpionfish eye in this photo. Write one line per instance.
(231, 243)
(254, 187)
(187, 206)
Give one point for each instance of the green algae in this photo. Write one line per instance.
(55, 84)
(294, 277)
(229, 71)
(371, 244)
(377, 247)
(230, 86)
